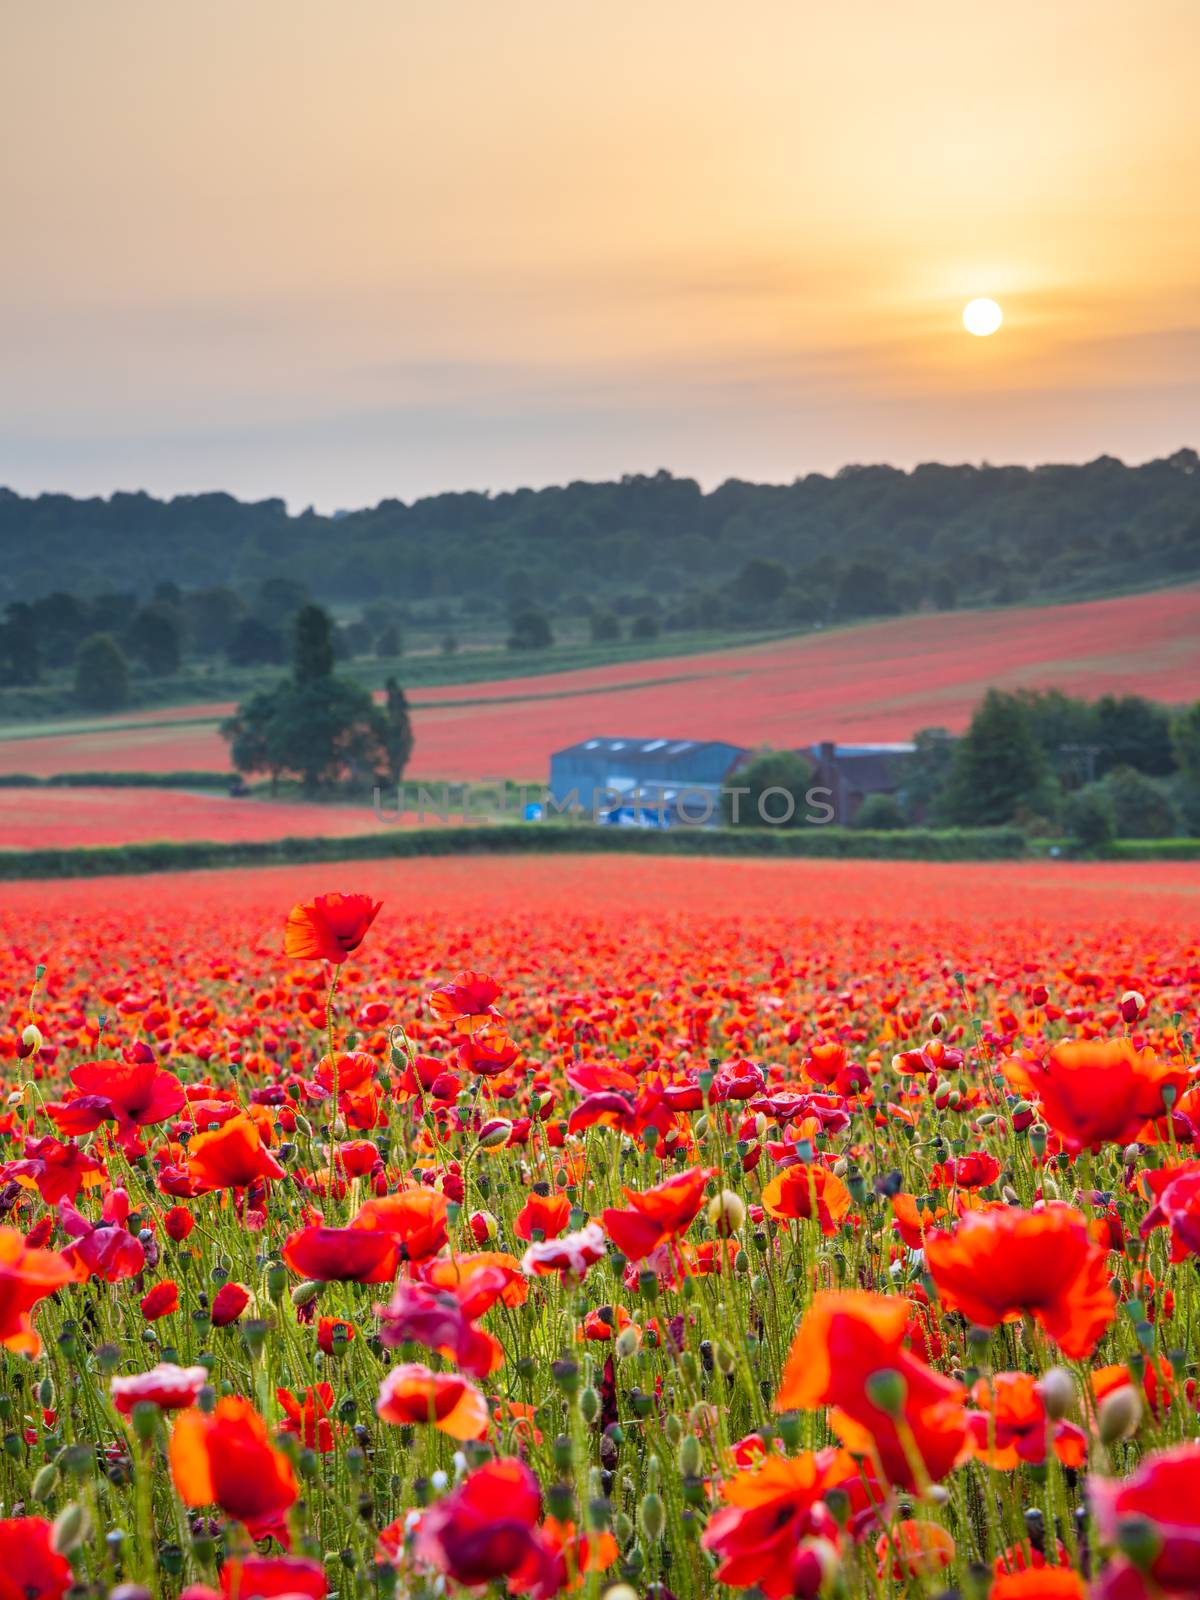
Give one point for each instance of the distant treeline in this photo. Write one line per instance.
(869, 541)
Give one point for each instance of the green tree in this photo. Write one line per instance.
(388, 642)
(776, 784)
(1134, 732)
(1088, 816)
(153, 637)
(1142, 807)
(999, 767)
(644, 627)
(879, 811)
(312, 650)
(605, 626)
(101, 674)
(531, 630)
(253, 643)
(1185, 743)
(398, 736)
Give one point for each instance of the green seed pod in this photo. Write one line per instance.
(652, 1517)
(690, 1456)
(673, 1428)
(46, 1483)
(589, 1405)
(305, 1293)
(72, 1528)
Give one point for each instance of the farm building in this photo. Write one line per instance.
(645, 776)
(852, 772)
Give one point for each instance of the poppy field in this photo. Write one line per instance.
(879, 680)
(542, 1227)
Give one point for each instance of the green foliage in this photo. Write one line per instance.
(531, 630)
(880, 811)
(1185, 742)
(999, 766)
(776, 784)
(398, 733)
(1142, 807)
(605, 627)
(312, 651)
(253, 643)
(1134, 732)
(101, 674)
(644, 627)
(153, 637)
(1088, 816)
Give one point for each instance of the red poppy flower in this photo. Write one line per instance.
(915, 1550)
(226, 1458)
(161, 1301)
(332, 1331)
(802, 1190)
(468, 998)
(486, 1529)
(166, 1386)
(845, 1341)
(106, 1248)
(230, 1300)
(329, 927)
(657, 1214)
(232, 1156)
(134, 1095)
(27, 1276)
(342, 1255)
(767, 1515)
(1000, 1264)
(570, 1255)
(1164, 1493)
(308, 1416)
(178, 1223)
(973, 1171)
(546, 1214)
(1009, 1428)
(1094, 1092)
(412, 1393)
(479, 1280)
(56, 1168)
(414, 1218)
(1175, 1192)
(273, 1578)
(440, 1319)
(30, 1567)
(1038, 1583)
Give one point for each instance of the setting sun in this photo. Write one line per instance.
(982, 317)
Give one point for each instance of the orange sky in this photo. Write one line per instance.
(338, 249)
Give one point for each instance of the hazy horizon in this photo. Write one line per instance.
(336, 255)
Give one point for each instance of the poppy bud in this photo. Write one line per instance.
(652, 1517)
(484, 1227)
(589, 1405)
(1133, 1005)
(46, 1482)
(726, 1212)
(305, 1293)
(1119, 1414)
(628, 1342)
(494, 1133)
(1139, 1539)
(32, 1038)
(230, 1300)
(887, 1390)
(690, 1458)
(72, 1528)
(1057, 1389)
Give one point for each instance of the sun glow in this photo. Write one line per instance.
(982, 317)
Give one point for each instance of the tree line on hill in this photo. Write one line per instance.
(1053, 764)
(651, 550)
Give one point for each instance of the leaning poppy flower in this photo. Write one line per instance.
(416, 1219)
(232, 1156)
(166, 1386)
(178, 1223)
(998, 1265)
(848, 1344)
(803, 1191)
(27, 1276)
(486, 1529)
(474, 1279)
(769, 1512)
(442, 1320)
(581, 1552)
(1163, 1496)
(1009, 1428)
(570, 1255)
(30, 1567)
(1094, 1092)
(161, 1301)
(342, 1255)
(230, 1300)
(412, 1393)
(657, 1214)
(273, 1578)
(308, 1416)
(1038, 1583)
(226, 1458)
(329, 927)
(916, 1549)
(545, 1214)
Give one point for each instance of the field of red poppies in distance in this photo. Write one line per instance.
(879, 681)
(718, 1228)
(64, 819)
